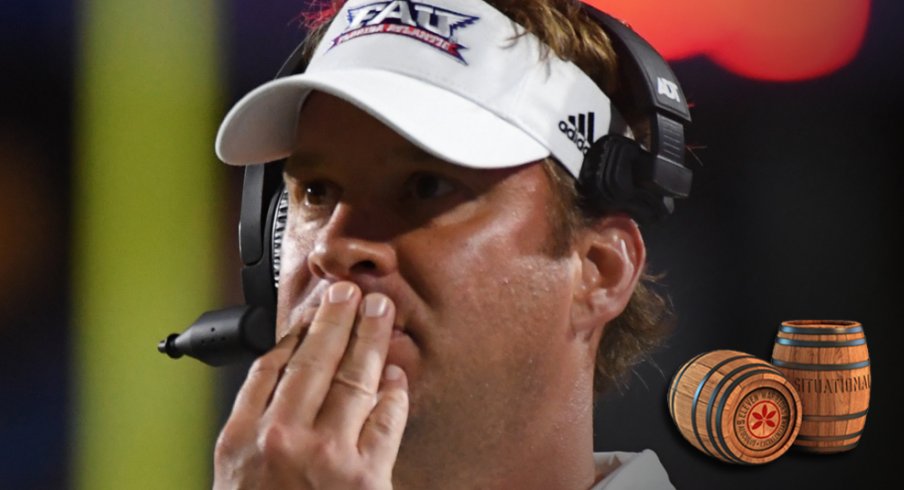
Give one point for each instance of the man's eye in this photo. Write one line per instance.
(316, 193)
(428, 186)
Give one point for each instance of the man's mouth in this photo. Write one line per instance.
(309, 311)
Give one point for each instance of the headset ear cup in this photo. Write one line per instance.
(607, 180)
(280, 215)
(620, 156)
(259, 278)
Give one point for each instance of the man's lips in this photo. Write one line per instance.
(404, 348)
(309, 311)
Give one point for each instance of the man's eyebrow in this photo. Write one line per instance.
(416, 154)
(306, 160)
(302, 160)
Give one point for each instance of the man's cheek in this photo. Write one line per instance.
(296, 282)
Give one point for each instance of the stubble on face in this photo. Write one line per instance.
(502, 342)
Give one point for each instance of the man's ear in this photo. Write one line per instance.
(612, 255)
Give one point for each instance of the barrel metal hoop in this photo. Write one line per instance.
(826, 449)
(821, 331)
(820, 367)
(829, 438)
(819, 343)
(830, 418)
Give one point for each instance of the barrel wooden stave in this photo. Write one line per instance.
(708, 393)
(828, 364)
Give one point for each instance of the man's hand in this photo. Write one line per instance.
(316, 413)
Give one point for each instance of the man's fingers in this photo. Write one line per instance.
(354, 391)
(252, 399)
(309, 372)
(382, 433)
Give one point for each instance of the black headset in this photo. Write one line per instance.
(618, 173)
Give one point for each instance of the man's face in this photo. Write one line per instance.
(461, 252)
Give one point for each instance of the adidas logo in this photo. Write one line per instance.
(579, 130)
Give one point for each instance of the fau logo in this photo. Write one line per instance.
(430, 25)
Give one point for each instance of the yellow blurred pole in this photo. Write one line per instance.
(145, 219)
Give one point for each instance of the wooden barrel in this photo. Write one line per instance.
(734, 407)
(828, 363)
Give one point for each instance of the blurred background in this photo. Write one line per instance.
(117, 226)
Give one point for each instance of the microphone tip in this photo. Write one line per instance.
(168, 346)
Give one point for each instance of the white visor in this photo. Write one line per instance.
(457, 78)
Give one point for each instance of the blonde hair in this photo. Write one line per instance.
(569, 33)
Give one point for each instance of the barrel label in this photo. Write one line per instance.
(837, 385)
(762, 419)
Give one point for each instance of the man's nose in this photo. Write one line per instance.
(352, 243)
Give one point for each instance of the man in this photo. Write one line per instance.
(442, 299)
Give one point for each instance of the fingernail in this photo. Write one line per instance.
(392, 373)
(340, 292)
(375, 305)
